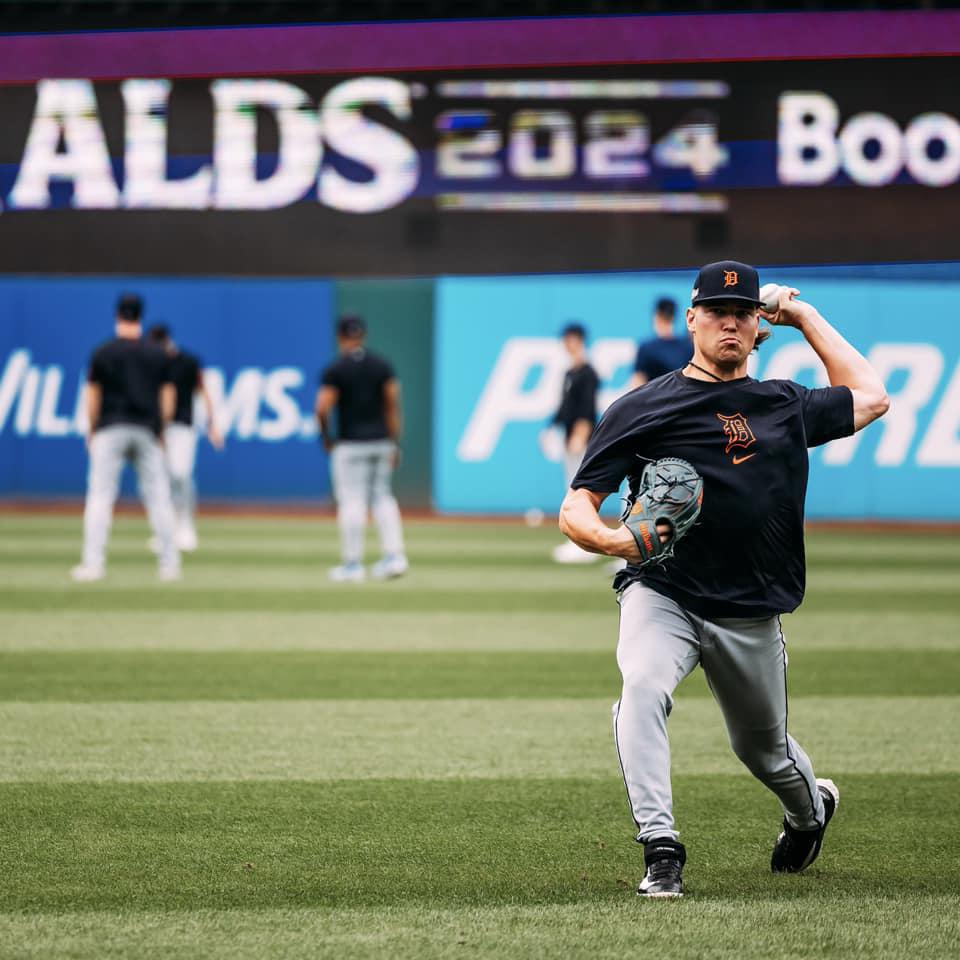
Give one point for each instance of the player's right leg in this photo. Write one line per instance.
(181, 451)
(155, 492)
(386, 514)
(350, 476)
(107, 449)
(658, 646)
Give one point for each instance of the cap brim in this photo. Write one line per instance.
(725, 298)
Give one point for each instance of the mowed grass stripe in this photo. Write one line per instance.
(466, 577)
(55, 557)
(176, 675)
(147, 595)
(473, 842)
(425, 630)
(440, 739)
(820, 925)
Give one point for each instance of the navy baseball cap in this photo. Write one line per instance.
(727, 280)
(351, 325)
(130, 307)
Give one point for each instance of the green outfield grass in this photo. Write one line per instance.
(256, 763)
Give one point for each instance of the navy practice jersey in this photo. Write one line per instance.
(748, 439)
(579, 400)
(360, 378)
(130, 374)
(661, 355)
(185, 372)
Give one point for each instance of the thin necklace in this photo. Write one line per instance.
(696, 366)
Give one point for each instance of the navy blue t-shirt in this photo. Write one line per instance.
(748, 439)
(661, 355)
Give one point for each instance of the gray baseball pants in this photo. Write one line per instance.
(110, 448)
(745, 662)
(361, 472)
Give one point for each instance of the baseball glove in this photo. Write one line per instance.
(668, 491)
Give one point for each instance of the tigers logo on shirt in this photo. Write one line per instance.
(738, 433)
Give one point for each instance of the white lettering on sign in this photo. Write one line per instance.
(235, 144)
(257, 405)
(813, 148)
(923, 365)
(525, 383)
(145, 156)
(941, 445)
(509, 397)
(66, 144)
(66, 111)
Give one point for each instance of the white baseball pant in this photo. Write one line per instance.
(361, 472)
(180, 443)
(110, 448)
(745, 662)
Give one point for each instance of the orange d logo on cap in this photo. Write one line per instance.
(730, 278)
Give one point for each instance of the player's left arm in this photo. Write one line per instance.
(327, 399)
(393, 413)
(94, 404)
(213, 428)
(168, 402)
(846, 366)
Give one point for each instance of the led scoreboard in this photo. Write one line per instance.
(582, 167)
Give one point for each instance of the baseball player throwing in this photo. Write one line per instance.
(712, 596)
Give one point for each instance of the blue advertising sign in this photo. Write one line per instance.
(261, 343)
(500, 369)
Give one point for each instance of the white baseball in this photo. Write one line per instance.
(770, 295)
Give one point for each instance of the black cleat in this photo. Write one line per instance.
(795, 850)
(664, 860)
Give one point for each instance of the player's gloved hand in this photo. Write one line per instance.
(667, 495)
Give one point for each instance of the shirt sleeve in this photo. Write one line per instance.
(611, 454)
(827, 414)
(96, 373)
(584, 405)
(642, 362)
(329, 378)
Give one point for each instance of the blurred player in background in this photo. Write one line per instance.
(577, 416)
(180, 435)
(129, 396)
(664, 351)
(365, 393)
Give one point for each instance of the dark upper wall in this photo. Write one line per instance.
(53, 16)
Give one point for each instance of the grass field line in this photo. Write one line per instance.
(923, 927)
(425, 630)
(466, 579)
(448, 739)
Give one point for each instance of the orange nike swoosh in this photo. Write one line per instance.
(738, 460)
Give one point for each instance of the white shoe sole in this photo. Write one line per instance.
(833, 790)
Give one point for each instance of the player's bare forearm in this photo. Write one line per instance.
(168, 402)
(94, 401)
(580, 521)
(845, 365)
(213, 429)
(392, 410)
(326, 400)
